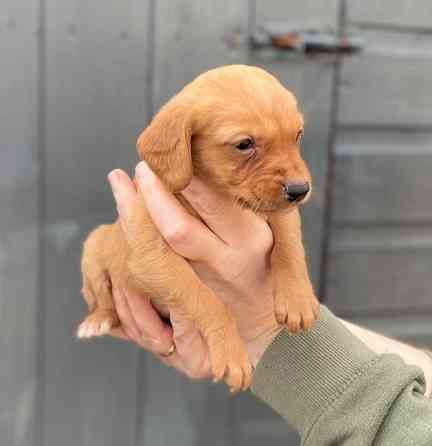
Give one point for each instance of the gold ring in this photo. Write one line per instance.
(170, 351)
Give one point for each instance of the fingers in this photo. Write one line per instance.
(124, 192)
(188, 236)
(140, 322)
(191, 348)
(148, 320)
(118, 332)
(234, 225)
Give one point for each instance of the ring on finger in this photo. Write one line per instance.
(170, 352)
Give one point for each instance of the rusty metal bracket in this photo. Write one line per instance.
(313, 41)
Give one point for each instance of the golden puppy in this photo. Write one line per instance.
(238, 129)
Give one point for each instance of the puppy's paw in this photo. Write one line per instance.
(98, 323)
(295, 311)
(228, 357)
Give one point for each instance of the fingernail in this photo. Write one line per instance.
(169, 352)
(114, 178)
(142, 169)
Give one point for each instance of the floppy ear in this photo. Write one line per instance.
(166, 145)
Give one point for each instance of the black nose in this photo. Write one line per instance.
(295, 191)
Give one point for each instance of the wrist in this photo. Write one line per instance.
(381, 344)
(299, 375)
(257, 345)
(428, 373)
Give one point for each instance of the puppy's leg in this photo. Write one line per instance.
(295, 301)
(96, 288)
(158, 272)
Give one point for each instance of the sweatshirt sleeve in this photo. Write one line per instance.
(333, 390)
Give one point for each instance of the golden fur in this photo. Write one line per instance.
(197, 133)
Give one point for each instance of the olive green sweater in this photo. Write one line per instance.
(334, 391)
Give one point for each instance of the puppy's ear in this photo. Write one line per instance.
(166, 145)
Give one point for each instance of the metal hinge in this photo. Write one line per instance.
(305, 40)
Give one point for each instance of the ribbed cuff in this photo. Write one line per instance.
(300, 375)
(428, 352)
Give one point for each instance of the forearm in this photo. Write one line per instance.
(333, 389)
(381, 344)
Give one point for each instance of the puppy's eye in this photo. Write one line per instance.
(246, 144)
(299, 136)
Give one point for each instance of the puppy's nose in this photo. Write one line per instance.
(295, 191)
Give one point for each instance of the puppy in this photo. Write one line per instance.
(239, 130)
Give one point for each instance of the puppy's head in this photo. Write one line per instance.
(239, 130)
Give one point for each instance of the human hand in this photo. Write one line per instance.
(230, 253)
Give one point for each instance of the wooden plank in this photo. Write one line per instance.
(391, 13)
(383, 141)
(413, 329)
(96, 72)
(383, 177)
(321, 14)
(96, 97)
(311, 80)
(370, 280)
(256, 424)
(19, 227)
(372, 95)
(193, 37)
(176, 408)
(381, 238)
(97, 379)
(190, 37)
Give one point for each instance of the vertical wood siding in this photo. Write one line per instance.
(96, 72)
(384, 148)
(79, 80)
(380, 263)
(19, 221)
(189, 37)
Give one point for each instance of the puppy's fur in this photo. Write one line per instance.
(200, 132)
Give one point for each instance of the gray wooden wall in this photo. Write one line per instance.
(79, 80)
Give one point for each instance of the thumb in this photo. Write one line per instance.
(185, 234)
(125, 194)
(231, 223)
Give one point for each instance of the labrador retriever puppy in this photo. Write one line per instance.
(239, 130)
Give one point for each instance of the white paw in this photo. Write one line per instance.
(95, 325)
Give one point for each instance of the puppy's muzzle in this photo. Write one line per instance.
(295, 192)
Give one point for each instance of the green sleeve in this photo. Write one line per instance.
(333, 390)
